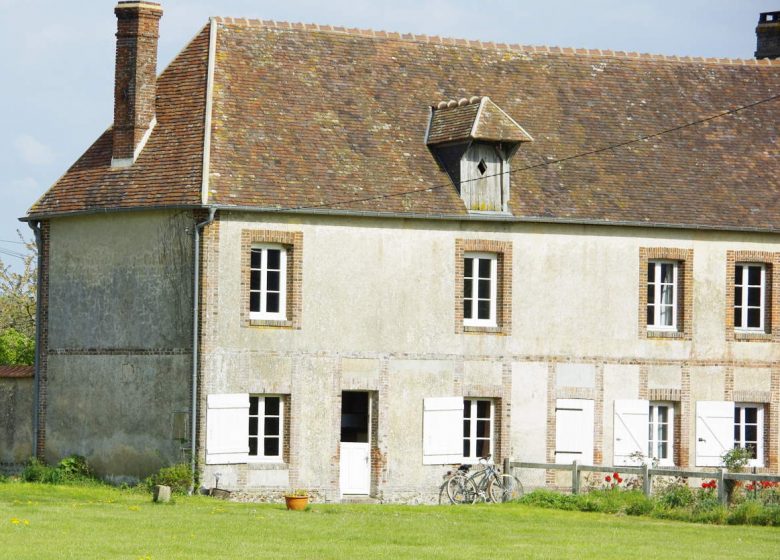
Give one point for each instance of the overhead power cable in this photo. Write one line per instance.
(595, 151)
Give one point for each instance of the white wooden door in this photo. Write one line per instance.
(574, 431)
(355, 475)
(714, 431)
(630, 431)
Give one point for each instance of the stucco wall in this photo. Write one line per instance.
(16, 406)
(119, 355)
(383, 291)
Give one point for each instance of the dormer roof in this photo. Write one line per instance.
(477, 118)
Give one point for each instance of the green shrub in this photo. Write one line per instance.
(3, 478)
(675, 496)
(550, 499)
(178, 477)
(753, 512)
(72, 469)
(75, 469)
(639, 504)
(37, 471)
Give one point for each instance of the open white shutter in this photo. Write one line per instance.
(630, 430)
(574, 431)
(227, 429)
(714, 431)
(442, 430)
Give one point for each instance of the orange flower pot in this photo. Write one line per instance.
(296, 503)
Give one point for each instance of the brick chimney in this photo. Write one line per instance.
(768, 35)
(135, 83)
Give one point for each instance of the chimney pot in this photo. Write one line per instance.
(768, 35)
(135, 83)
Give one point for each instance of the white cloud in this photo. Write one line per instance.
(32, 151)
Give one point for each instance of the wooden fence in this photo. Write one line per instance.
(647, 473)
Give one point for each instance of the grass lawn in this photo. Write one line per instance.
(40, 521)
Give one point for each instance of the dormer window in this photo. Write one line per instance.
(473, 140)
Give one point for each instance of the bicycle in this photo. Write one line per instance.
(487, 484)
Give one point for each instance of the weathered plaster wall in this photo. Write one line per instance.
(119, 340)
(16, 406)
(382, 291)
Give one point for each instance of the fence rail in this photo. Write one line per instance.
(647, 474)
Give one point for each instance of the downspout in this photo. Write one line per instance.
(195, 336)
(36, 227)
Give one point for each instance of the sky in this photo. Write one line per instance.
(57, 61)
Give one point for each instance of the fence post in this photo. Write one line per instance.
(722, 494)
(647, 485)
(575, 478)
(507, 465)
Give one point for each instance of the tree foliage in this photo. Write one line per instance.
(17, 308)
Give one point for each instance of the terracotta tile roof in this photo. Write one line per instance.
(478, 118)
(328, 118)
(494, 124)
(16, 372)
(452, 123)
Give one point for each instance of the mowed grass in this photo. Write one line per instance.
(40, 521)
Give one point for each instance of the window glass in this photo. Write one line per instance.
(265, 427)
(477, 428)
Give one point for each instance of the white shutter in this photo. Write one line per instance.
(630, 430)
(442, 430)
(714, 431)
(574, 431)
(227, 429)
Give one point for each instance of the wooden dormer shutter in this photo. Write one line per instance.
(484, 182)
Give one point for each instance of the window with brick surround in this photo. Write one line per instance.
(266, 421)
(483, 286)
(478, 423)
(749, 431)
(271, 278)
(665, 294)
(660, 440)
(752, 296)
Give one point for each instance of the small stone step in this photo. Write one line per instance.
(355, 499)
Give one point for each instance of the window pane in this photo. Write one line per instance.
(466, 428)
(483, 409)
(651, 272)
(254, 280)
(468, 288)
(737, 435)
(468, 265)
(751, 433)
(666, 316)
(271, 447)
(273, 281)
(254, 301)
(256, 258)
(753, 448)
(253, 405)
(738, 296)
(754, 318)
(652, 414)
(667, 294)
(253, 426)
(737, 414)
(754, 275)
(737, 317)
(273, 259)
(667, 276)
(483, 447)
(754, 297)
(467, 309)
(483, 309)
(663, 414)
(663, 450)
(650, 318)
(253, 446)
(484, 268)
(663, 432)
(751, 415)
(466, 408)
(484, 289)
(650, 293)
(738, 275)
(271, 426)
(466, 448)
(272, 406)
(272, 303)
(483, 428)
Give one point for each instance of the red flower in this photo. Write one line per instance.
(705, 485)
(619, 480)
(608, 478)
(615, 475)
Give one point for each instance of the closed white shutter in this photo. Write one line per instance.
(574, 431)
(442, 430)
(630, 430)
(714, 431)
(227, 429)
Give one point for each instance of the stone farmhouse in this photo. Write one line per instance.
(340, 259)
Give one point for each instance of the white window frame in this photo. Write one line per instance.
(262, 314)
(739, 430)
(472, 437)
(260, 457)
(653, 431)
(472, 321)
(743, 304)
(656, 283)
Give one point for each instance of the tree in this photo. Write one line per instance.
(17, 306)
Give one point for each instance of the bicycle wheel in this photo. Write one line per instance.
(461, 490)
(505, 488)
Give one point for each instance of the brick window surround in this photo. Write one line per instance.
(292, 241)
(503, 252)
(771, 295)
(684, 258)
